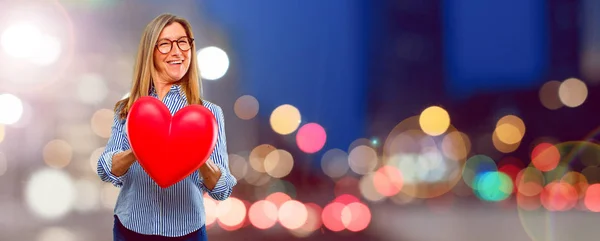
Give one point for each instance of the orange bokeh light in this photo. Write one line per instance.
(559, 196)
(592, 198)
(388, 181)
(545, 157)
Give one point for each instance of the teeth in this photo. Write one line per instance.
(174, 62)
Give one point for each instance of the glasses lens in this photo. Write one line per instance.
(164, 46)
(184, 43)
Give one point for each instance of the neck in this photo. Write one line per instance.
(162, 88)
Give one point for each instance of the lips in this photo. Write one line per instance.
(175, 62)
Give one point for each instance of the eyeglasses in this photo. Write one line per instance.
(184, 43)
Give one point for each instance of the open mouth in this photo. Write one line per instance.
(175, 62)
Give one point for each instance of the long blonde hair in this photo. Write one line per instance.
(144, 65)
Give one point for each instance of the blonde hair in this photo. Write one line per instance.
(144, 65)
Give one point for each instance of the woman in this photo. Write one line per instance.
(144, 211)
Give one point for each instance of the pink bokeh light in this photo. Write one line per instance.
(311, 138)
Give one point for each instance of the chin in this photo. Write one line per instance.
(176, 77)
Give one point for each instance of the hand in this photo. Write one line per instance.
(121, 162)
(210, 173)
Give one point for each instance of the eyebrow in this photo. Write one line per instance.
(170, 39)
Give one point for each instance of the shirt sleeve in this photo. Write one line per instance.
(220, 157)
(115, 145)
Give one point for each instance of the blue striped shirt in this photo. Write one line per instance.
(144, 207)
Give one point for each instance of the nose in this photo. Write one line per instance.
(175, 49)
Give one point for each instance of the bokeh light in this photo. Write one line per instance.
(510, 129)
(213, 63)
(334, 163)
(356, 216)
(231, 213)
(54, 233)
(263, 214)
(57, 153)
(332, 216)
(572, 92)
(388, 181)
(530, 182)
(434, 120)
(246, 107)
(48, 51)
(368, 189)
(429, 167)
(102, 121)
(311, 138)
(279, 163)
(493, 186)
(549, 95)
(456, 145)
(475, 166)
(292, 214)
(313, 221)
(545, 157)
(347, 185)
(362, 159)
(592, 197)
(210, 205)
(258, 155)
(94, 156)
(50, 193)
(285, 119)
(87, 195)
(238, 166)
(21, 40)
(11, 109)
(558, 196)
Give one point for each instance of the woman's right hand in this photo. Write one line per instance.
(121, 162)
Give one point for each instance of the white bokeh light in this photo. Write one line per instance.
(88, 195)
(48, 51)
(21, 40)
(55, 234)
(92, 89)
(213, 63)
(50, 193)
(11, 109)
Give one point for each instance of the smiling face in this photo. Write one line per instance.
(170, 61)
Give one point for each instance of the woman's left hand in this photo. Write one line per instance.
(210, 174)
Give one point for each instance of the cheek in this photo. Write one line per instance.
(189, 58)
(158, 60)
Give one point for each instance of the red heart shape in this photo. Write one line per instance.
(169, 147)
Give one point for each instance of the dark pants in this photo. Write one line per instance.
(120, 233)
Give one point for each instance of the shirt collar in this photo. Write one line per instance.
(176, 88)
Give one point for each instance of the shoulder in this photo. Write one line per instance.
(118, 108)
(214, 108)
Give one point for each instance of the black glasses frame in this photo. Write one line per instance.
(191, 42)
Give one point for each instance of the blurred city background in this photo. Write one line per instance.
(408, 120)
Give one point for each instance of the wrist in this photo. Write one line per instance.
(130, 156)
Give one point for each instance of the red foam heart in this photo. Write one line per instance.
(169, 147)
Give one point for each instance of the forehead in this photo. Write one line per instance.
(172, 31)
